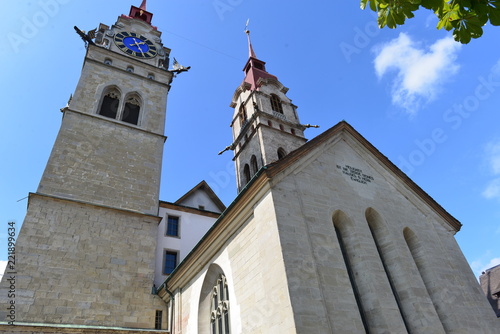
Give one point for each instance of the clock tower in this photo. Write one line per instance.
(86, 251)
(265, 122)
(109, 149)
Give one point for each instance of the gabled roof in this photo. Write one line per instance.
(224, 226)
(282, 164)
(203, 186)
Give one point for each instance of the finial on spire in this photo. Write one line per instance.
(143, 5)
(251, 53)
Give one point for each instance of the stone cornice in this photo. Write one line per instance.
(113, 121)
(64, 199)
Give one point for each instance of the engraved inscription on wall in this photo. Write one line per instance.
(355, 174)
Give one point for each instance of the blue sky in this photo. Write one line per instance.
(429, 104)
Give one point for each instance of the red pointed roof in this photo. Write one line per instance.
(254, 68)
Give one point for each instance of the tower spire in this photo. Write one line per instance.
(143, 5)
(254, 68)
(251, 53)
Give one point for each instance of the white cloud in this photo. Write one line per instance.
(420, 71)
(492, 189)
(3, 264)
(496, 68)
(493, 262)
(493, 155)
(480, 266)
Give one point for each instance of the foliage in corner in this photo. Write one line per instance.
(465, 17)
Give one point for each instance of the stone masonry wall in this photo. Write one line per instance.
(342, 184)
(105, 163)
(252, 262)
(84, 265)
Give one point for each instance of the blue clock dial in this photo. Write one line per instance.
(135, 45)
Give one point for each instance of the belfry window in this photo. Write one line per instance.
(131, 110)
(281, 153)
(219, 308)
(246, 173)
(110, 103)
(243, 116)
(253, 162)
(276, 103)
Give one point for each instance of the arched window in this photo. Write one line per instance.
(253, 163)
(219, 307)
(281, 153)
(110, 103)
(246, 173)
(214, 308)
(132, 109)
(276, 103)
(242, 115)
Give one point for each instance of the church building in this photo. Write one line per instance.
(325, 235)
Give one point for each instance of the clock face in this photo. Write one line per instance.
(135, 45)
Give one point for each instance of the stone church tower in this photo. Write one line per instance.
(325, 236)
(265, 123)
(85, 254)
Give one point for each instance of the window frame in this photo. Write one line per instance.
(158, 319)
(178, 235)
(276, 103)
(254, 164)
(176, 262)
(114, 94)
(219, 307)
(281, 153)
(131, 101)
(247, 174)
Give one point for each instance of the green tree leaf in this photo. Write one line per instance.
(465, 17)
